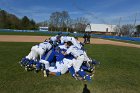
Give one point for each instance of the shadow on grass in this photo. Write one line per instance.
(85, 89)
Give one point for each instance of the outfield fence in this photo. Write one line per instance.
(125, 38)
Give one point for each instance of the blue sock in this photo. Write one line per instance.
(71, 70)
(58, 73)
(88, 78)
(84, 67)
(43, 66)
(82, 73)
(24, 61)
(38, 66)
(31, 62)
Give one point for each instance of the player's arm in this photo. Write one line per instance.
(66, 52)
(63, 52)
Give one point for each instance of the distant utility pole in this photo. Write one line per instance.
(135, 20)
(120, 21)
(119, 25)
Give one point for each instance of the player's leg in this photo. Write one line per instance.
(64, 67)
(69, 64)
(53, 70)
(59, 69)
(38, 66)
(29, 66)
(83, 74)
(86, 58)
(33, 58)
(24, 61)
(86, 66)
(46, 60)
(33, 54)
(46, 63)
(78, 63)
(41, 52)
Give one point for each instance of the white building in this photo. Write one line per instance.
(43, 28)
(100, 28)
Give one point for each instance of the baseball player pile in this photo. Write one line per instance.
(60, 55)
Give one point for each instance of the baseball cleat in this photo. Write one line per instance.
(87, 77)
(92, 75)
(75, 77)
(21, 65)
(19, 62)
(36, 71)
(34, 66)
(46, 73)
(78, 77)
(26, 68)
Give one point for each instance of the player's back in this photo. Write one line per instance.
(45, 45)
(75, 51)
(54, 38)
(66, 39)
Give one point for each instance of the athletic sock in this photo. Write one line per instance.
(84, 67)
(81, 73)
(71, 70)
(38, 66)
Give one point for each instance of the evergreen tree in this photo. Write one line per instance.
(138, 29)
(25, 23)
(10, 21)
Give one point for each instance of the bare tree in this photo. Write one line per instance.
(137, 33)
(117, 30)
(59, 20)
(126, 29)
(80, 23)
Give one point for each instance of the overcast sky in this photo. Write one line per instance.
(97, 11)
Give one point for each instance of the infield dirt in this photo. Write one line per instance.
(16, 38)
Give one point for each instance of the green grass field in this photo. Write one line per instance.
(119, 72)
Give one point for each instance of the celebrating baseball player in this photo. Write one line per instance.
(58, 55)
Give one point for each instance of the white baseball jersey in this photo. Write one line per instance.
(60, 66)
(72, 39)
(54, 38)
(45, 46)
(75, 51)
(79, 57)
(39, 50)
(63, 47)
